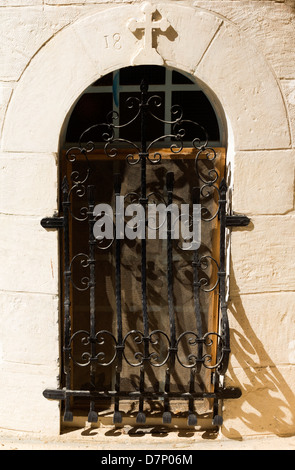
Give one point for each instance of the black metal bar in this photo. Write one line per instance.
(169, 185)
(237, 221)
(196, 284)
(192, 418)
(52, 222)
(217, 418)
(140, 417)
(92, 415)
(167, 416)
(143, 200)
(221, 393)
(68, 415)
(117, 418)
(223, 349)
(222, 282)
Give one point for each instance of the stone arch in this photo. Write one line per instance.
(221, 58)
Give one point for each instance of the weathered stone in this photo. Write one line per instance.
(84, 2)
(263, 182)
(266, 405)
(174, 48)
(23, 406)
(269, 25)
(31, 256)
(20, 3)
(261, 256)
(42, 86)
(5, 94)
(23, 179)
(23, 33)
(247, 89)
(289, 92)
(262, 329)
(30, 321)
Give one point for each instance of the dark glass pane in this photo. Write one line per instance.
(155, 128)
(197, 107)
(154, 74)
(91, 109)
(106, 80)
(179, 79)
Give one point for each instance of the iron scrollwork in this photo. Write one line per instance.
(191, 349)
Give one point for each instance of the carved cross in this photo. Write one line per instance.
(149, 25)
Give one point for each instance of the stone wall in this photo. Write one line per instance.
(243, 52)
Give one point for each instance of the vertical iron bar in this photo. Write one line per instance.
(117, 418)
(92, 415)
(222, 282)
(224, 348)
(143, 200)
(196, 283)
(192, 418)
(169, 184)
(68, 415)
(167, 413)
(140, 418)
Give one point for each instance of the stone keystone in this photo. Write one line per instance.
(147, 53)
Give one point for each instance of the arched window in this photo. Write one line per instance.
(174, 88)
(143, 213)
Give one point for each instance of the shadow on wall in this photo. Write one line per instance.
(267, 404)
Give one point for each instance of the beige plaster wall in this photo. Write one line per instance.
(243, 51)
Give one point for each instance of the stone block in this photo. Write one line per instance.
(175, 46)
(20, 3)
(29, 254)
(263, 182)
(82, 2)
(267, 403)
(28, 184)
(262, 256)
(5, 94)
(288, 87)
(25, 30)
(23, 406)
(30, 329)
(242, 80)
(48, 89)
(262, 329)
(267, 24)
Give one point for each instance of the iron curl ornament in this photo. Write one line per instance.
(97, 348)
(136, 338)
(99, 339)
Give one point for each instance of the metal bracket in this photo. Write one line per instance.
(52, 222)
(237, 221)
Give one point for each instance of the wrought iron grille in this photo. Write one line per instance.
(194, 349)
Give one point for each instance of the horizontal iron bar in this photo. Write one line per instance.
(52, 222)
(61, 394)
(231, 221)
(237, 220)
